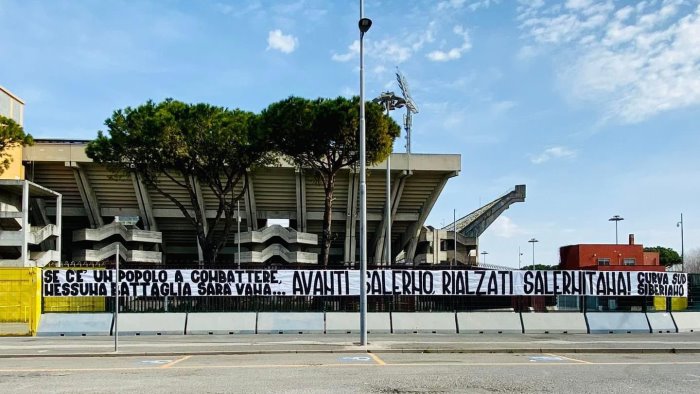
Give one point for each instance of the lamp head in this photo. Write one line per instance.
(364, 25)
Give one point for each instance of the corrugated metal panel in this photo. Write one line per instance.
(376, 191)
(275, 189)
(57, 177)
(212, 202)
(314, 192)
(159, 201)
(111, 191)
(418, 189)
(177, 232)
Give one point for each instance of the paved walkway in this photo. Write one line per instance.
(11, 347)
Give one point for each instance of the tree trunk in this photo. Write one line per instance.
(210, 250)
(327, 236)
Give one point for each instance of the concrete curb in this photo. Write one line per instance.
(360, 350)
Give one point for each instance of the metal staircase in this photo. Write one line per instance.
(475, 223)
(110, 250)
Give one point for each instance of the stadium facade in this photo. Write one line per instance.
(58, 206)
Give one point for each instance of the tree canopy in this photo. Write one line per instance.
(323, 135)
(541, 267)
(184, 144)
(11, 135)
(667, 256)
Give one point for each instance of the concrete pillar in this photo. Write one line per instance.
(144, 201)
(301, 199)
(411, 235)
(201, 206)
(92, 207)
(379, 241)
(59, 224)
(25, 224)
(251, 210)
(351, 217)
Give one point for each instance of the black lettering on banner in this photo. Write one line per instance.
(223, 282)
(539, 283)
(50, 276)
(481, 275)
(427, 282)
(460, 282)
(528, 285)
(103, 276)
(447, 287)
(493, 284)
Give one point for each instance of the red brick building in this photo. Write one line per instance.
(606, 257)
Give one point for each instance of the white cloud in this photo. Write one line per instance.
(379, 69)
(285, 43)
(454, 53)
(457, 4)
(387, 51)
(635, 62)
(526, 53)
(348, 92)
(504, 227)
(353, 50)
(500, 107)
(450, 4)
(556, 152)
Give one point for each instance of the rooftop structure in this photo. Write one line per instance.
(609, 257)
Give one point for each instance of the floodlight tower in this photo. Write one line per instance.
(411, 108)
(390, 101)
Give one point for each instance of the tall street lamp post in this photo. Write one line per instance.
(484, 253)
(532, 241)
(616, 219)
(680, 224)
(364, 24)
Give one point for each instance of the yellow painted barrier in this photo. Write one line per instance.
(75, 304)
(677, 303)
(20, 301)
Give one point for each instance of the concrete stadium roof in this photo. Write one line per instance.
(92, 194)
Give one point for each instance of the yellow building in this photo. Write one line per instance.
(12, 107)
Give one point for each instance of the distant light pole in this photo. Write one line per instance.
(616, 219)
(532, 241)
(520, 255)
(390, 101)
(238, 223)
(454, 230)
(484, 253)
(364, 24)
(680, 224)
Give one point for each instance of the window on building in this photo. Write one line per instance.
(603, 261)
(629, 261)
(17, 109)
(5, 105)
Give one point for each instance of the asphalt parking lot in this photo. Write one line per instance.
(356, 372)
(624, 363)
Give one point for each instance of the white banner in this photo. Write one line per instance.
(222, 282)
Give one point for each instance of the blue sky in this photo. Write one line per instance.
(593, 104)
